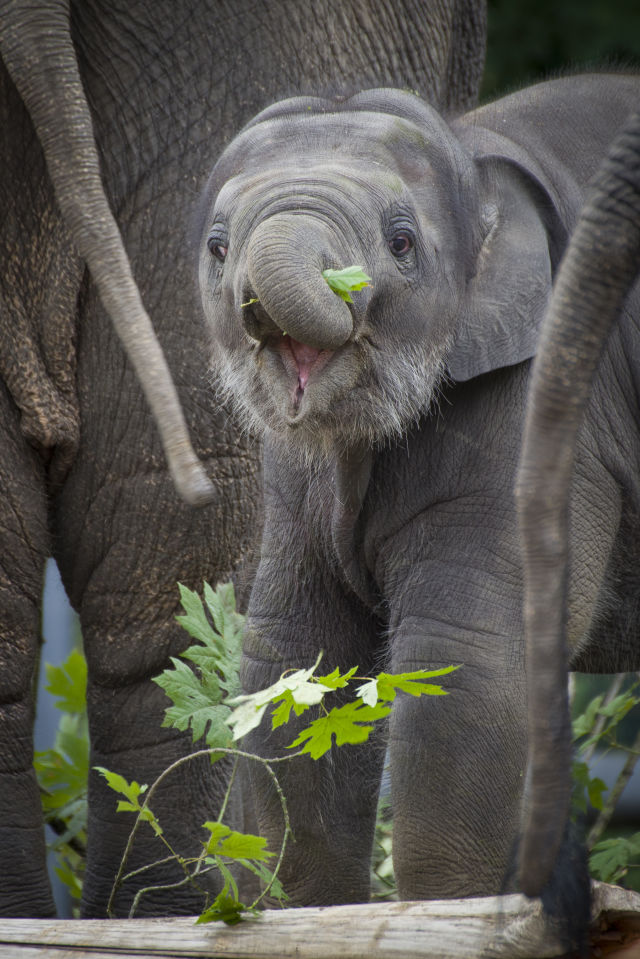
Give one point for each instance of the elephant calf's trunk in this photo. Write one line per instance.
(286, 256)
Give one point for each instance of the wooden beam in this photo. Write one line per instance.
(505, 927)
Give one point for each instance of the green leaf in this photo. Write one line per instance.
(610, 858)
(62, 770)
(412, 683)
(194, 620)
(583, 724)
(266, 876)
(348, 724)
(346, 281)
(586, 786)
(595, 788)
(224, 841)
(68, 683)
(336, 679)
(197, 703)
(618, 708)
(282, 712)
(225, 908)
(251, 706)
(131, 790)
(198, 696)
(69, 876)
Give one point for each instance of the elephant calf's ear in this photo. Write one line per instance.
(508, 292)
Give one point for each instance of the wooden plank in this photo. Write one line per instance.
(508, 927)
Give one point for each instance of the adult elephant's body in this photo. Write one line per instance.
(392, 432)
(595, 302)
(82, 473)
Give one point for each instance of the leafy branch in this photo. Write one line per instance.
(597, 727)
(223, 844)
(206, 699)
(62, 771)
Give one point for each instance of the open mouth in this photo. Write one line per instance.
(302, 363)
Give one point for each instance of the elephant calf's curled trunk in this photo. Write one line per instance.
(286, 256)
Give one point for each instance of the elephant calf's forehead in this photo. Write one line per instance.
(376, 138)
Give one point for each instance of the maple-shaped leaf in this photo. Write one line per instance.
(197, 703)
(610, 858)
(412, 683)
(282, 712)
(219, 637)
(350, 723)
(336, 679)
(346, 281)
(225, 908)
(224, 841)
(252, 706)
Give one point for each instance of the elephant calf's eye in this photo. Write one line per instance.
(400, 243)
(217, 249)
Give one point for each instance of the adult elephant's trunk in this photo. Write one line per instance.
(286, 255)
(36, 47)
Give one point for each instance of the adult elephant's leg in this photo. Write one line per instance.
(24, 543)
(124, 540)
(39, 279)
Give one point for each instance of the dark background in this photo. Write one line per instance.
(533, 39)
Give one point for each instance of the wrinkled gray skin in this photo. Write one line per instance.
(597, 287)
(392, 432)
(82, 472)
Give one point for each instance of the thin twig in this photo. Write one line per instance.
(210, 751)
(599, 724)
(227, 794)
(170, 885)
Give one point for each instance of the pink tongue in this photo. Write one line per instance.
(305, 356)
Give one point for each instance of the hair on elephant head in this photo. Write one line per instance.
(391, 533)
(460, 251)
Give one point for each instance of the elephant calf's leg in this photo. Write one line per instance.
(457, 766)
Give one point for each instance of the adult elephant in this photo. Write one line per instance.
(594, 306)
(392, 428)
(116, 108)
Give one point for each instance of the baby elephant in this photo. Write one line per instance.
(391, 429)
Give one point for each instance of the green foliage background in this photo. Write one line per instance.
(531, 39)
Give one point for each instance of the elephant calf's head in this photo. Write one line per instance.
(377, 180)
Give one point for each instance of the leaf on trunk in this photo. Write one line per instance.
(346, 281)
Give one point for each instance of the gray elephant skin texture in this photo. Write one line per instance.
(157, 89)
(593, 294)
(391, 434)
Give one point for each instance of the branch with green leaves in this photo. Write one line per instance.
(205, 698)
(596, 727)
